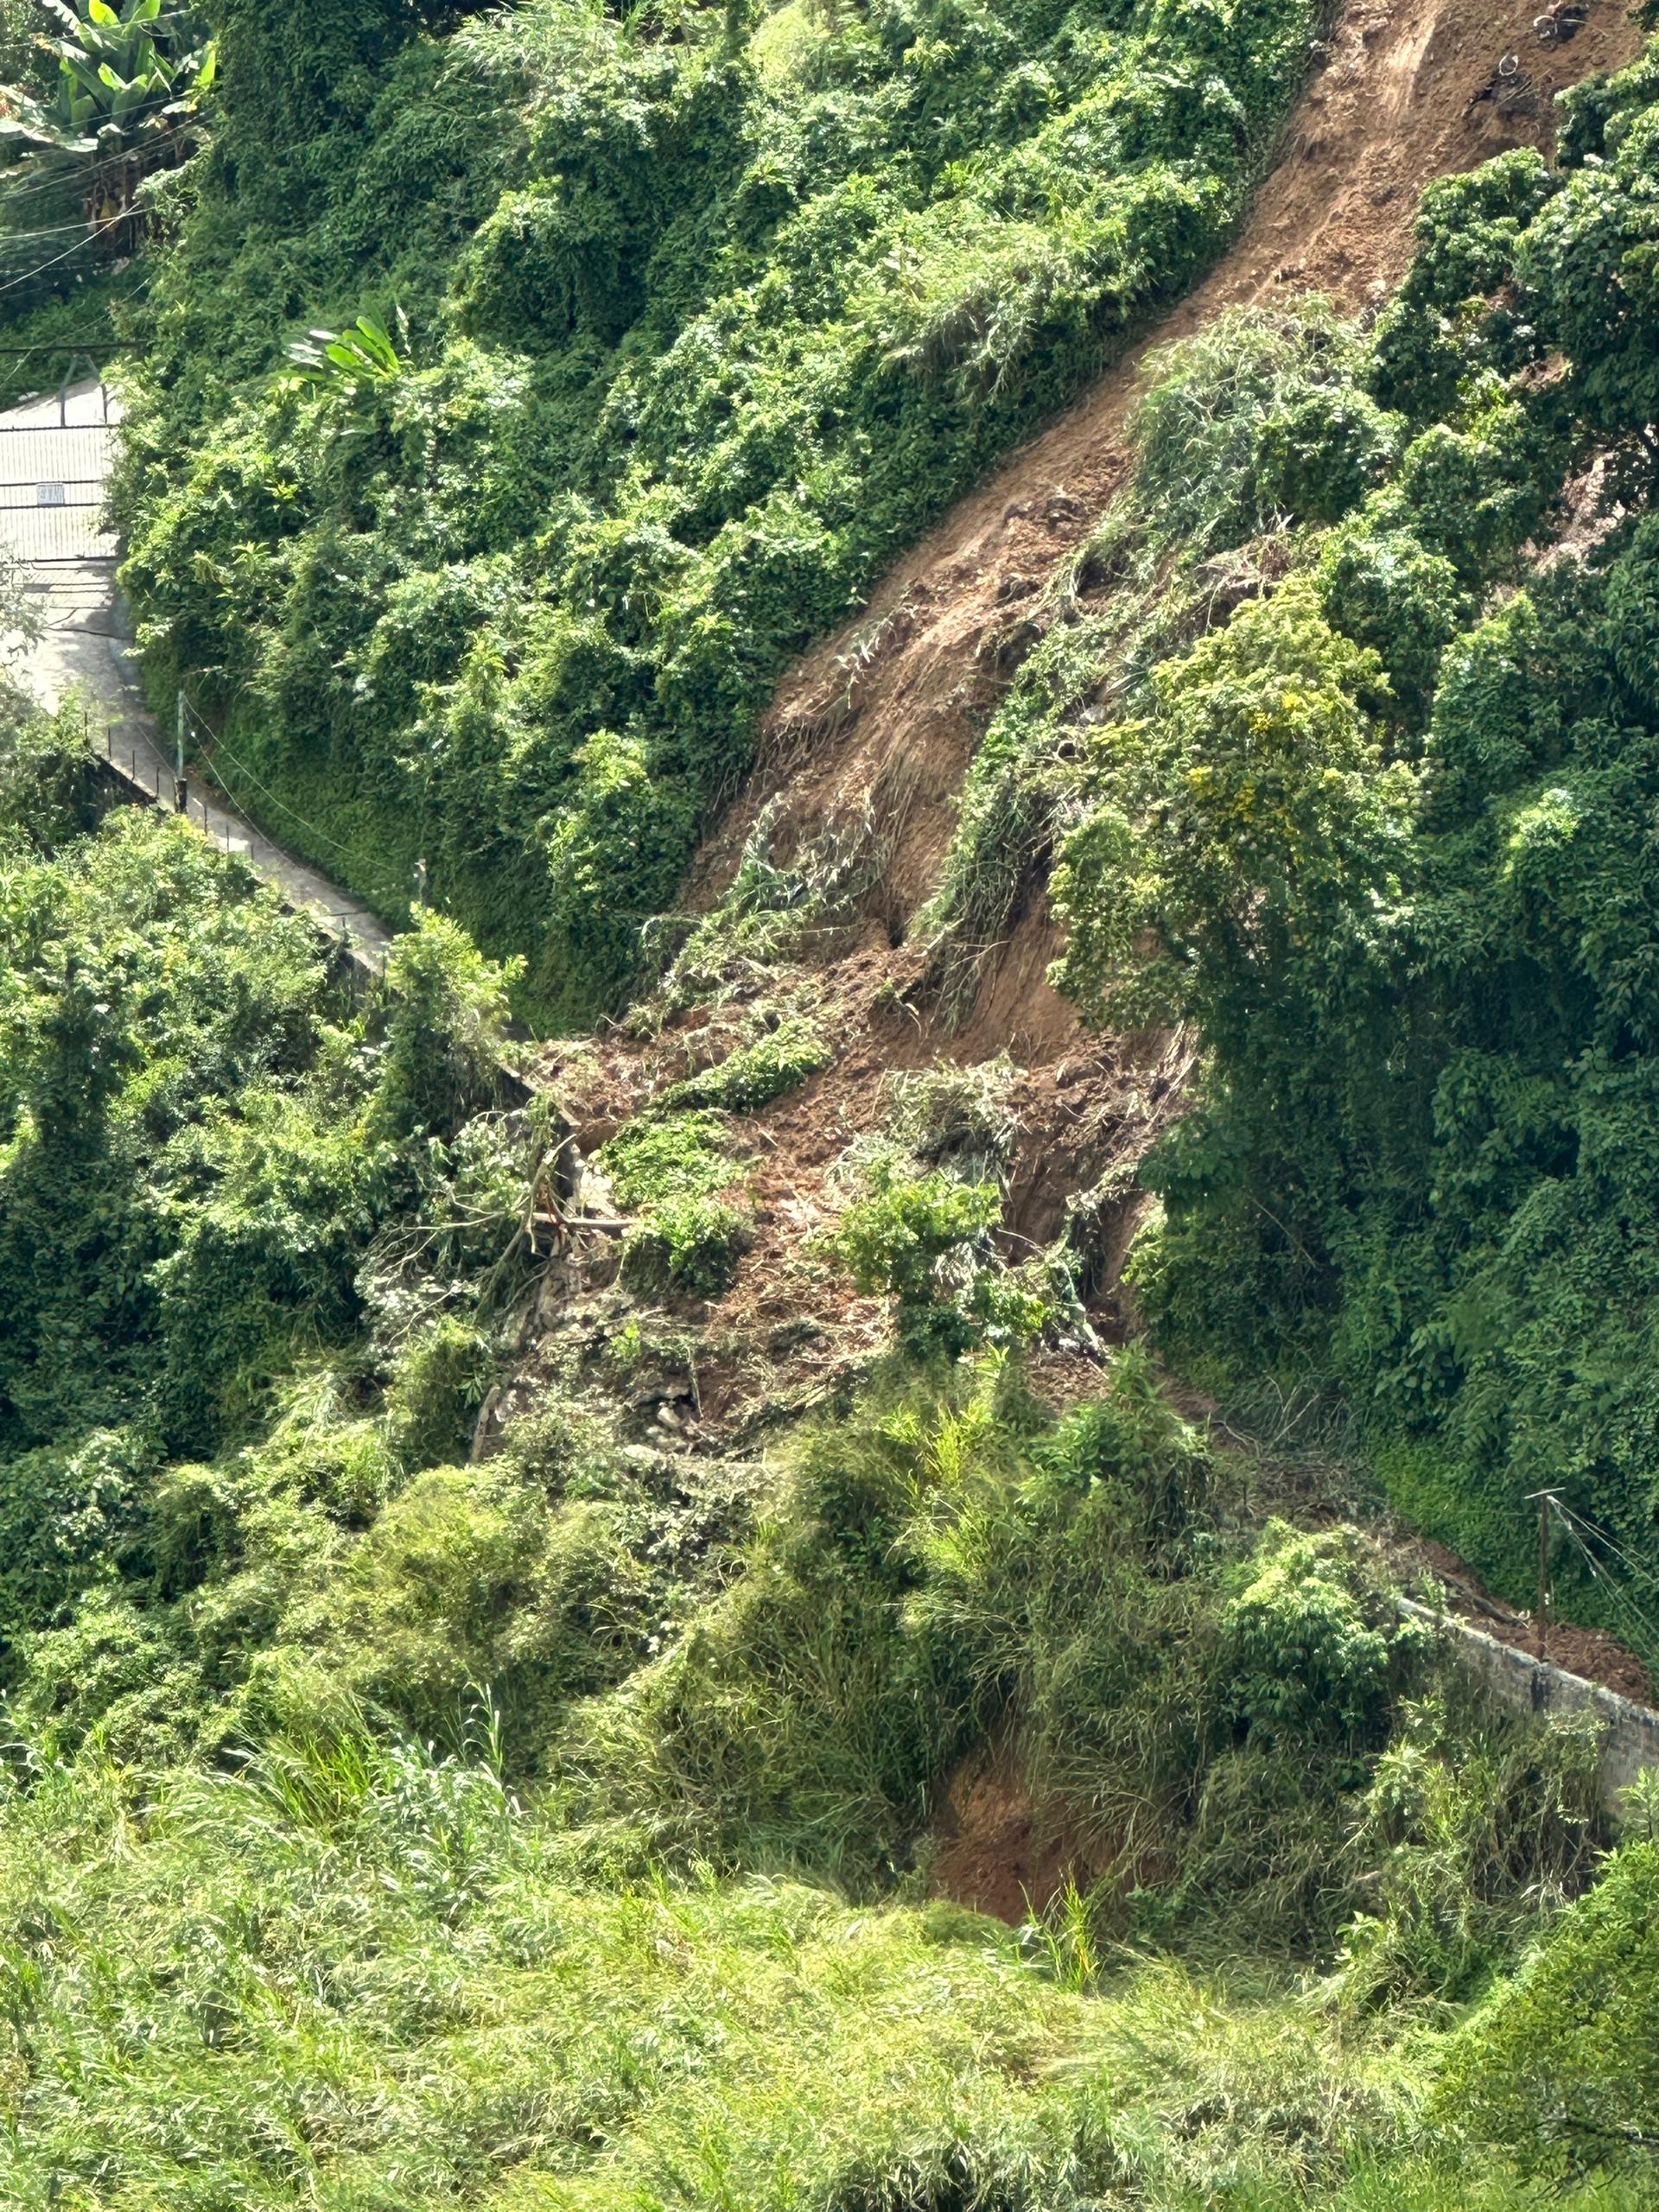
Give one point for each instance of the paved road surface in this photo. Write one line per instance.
(83, 648)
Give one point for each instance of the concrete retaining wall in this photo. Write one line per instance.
(1630, 1732)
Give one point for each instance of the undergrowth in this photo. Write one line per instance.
(384, 1825)
(356, 1974)
(405, 1806)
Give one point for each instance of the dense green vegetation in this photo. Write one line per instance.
(1371, 810)
(430, 1775)
(363, 1977)
(691, 324)
(262, 1241)
(360, 1977)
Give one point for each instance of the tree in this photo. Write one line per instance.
(446, 1028)
(1237, 821)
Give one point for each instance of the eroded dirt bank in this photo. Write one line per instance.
(878, 722)
(891, 705)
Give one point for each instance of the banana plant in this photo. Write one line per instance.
(350, 360)
(125, 76)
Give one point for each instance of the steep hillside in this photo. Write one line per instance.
(692, 324)
(785, 1601)
(903, 691)
(915, 929)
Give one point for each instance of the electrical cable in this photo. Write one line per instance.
(54, 230)
(1585, 1533)
(75, 164)
(64, 178)
(12, 283)
(220, 746)
(1598, 1536)
(30, 188)
(1646, 1633)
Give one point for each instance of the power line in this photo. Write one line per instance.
(220, 746)
(63, 179)
(54, 230)
(1631, 1612)
(1600, 1573)
(75, 164)
(40, 267)
(1600, 1536)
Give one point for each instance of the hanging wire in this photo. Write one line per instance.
(73, 165)
(28, 276)
(60, 179)
(242, 768)
(54, 230)
(1646, 1633)
(1637, 1572)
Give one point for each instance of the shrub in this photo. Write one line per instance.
(687, 1247)
(1562, 2065)
(1308, 1644)
(914, 1237)
(755, 1074)
(445, 1016)
(667, 1168)
(695, 341)
(1378, 835)
(438, 1385)
(656, 1158)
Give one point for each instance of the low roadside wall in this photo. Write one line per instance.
(1628, 1732)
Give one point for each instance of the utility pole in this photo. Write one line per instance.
(1544, 1499)
(180, 795)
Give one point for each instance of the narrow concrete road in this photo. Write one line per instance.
(55, 460)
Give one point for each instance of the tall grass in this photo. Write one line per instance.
(359, 1976)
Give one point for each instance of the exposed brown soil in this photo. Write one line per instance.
(879, 721)
(990, 1853)
(1589, 1652)
(889, 708)
(793, 1330)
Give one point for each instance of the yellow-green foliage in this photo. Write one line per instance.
(1301, 1646)
(1562, 2064)
(904, 1236)
(359, 1975)
(665, 1168)
(446, 1010)
(1209, 1722)
(779, 1062)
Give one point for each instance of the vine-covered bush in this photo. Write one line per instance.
(1562, 2066)
(1307, 1644)
(699, 330)
(201, 1142)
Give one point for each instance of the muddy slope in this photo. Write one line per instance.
(879, 723)
(892, 704)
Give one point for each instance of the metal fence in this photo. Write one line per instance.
(52, 483)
